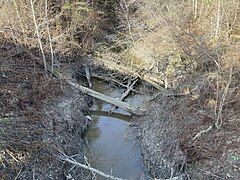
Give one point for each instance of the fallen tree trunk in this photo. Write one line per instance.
(124, 95)
(116, 115)
(154, 81)
(134, 110)
(108, 79)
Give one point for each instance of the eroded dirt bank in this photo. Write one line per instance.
(178, 140)
(40, 118)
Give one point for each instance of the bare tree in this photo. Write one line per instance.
(217, 30)
(38, 35)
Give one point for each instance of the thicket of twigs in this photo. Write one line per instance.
(168, 38)
(194, 47)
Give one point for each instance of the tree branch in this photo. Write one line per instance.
(72, 161)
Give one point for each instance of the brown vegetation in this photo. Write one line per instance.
(191, 48)
(197, 57)
(39, 117)
(40, 114)
(59, 26)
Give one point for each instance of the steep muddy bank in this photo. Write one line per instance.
(35, 143)
(39, 118)
(158, 133)
(42, 117)
(176, 141)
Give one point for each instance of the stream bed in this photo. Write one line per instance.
(110, 146)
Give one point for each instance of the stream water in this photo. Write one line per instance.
(110, 146)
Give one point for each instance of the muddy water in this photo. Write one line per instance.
(110, 147)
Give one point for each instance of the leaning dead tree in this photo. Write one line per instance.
(118, 103)
(70, 160)
(130, 108)
(125, 94)
(154, 81)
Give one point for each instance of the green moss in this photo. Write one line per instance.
(81, 7)
(68, 6)
(234, 157)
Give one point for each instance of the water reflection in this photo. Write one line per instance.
(111, 151)
(109, 148)
(115, 115)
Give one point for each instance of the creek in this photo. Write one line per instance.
(110, 145)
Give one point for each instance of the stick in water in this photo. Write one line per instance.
(72, 161)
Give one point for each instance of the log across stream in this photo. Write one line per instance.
(110, 147)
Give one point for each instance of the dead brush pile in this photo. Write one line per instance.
(209, 123)
(194, 128)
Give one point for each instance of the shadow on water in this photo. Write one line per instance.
(110, 146)
(123, 117)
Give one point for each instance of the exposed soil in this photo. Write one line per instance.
(40, 117)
